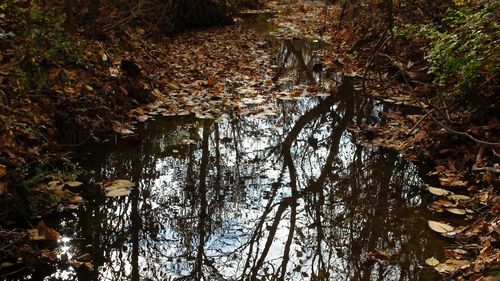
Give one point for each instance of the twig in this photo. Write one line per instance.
(495, 153)
(463, 133)
(399, 66)
(420, 121)
(493, 169)
(77, 144)
(14, 272)
(381, 42)
(445, 107)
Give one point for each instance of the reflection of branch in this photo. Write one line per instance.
(313, 114)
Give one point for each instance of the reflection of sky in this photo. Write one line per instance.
(353, 207)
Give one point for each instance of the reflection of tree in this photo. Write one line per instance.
(256, 199)
(298, 56)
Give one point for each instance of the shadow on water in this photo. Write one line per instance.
(285, 198)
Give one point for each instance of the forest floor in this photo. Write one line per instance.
(136, 76)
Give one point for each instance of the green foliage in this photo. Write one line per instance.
(39, 40)
(463, 56)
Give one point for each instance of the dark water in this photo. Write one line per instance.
(290, 197)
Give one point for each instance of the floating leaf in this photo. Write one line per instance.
(438, 191)
(445, 268)
(118, 188)
(377, 256)
(458, 197)
(73, 183)
(456, 211)
(118, 192)
(6, 264)
(445, 203)
(431, 261)
(43, 232)
(75, 200)
(440, 227)
(142, 118)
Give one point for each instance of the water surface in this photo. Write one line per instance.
(291, 197)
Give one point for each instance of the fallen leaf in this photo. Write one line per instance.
(445, 203)
(118, 192)
(118, 188)
(3, 170)
(43, 232)
(438, 191)
(445, 268)
(173, 86)
(118, 184)
(75, 200)
(6, 264)
(142, 118)
(440, 227)
(82, 265)
(73, 183)
(458, 197)
(122, 128)
(3, 187)
(456, 211)
(377, 256)
(431, 261)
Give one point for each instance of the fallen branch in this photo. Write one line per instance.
(420, 121)
(404, 73)
(463, 133)
(494, 169)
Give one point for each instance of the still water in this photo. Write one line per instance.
(289, 197)
(285, 197)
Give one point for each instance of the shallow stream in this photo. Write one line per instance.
(288, 197)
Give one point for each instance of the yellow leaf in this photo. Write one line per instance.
(431, 261)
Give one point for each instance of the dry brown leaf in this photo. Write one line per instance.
(377, 256)
(445, 203)
(3, 170)
(431, 261)
(118, 188)
(115, 184)
(458, 197)
(123, 129)
(3, 187)
(43, 232)
(75, 200)
(118, 192)
(456, 211)
(142, 118)
(445, 268)
(440, 227)
(438, 191)
(73, 183)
